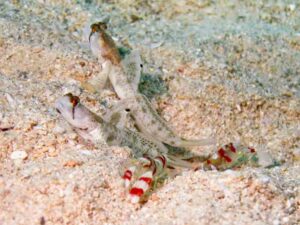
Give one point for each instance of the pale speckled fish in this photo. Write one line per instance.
(124, 76)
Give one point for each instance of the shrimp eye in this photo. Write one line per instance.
(58, 111)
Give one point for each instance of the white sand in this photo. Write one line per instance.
(232, 72)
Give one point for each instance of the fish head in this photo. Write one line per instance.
(74, 112)
(97, 28)
(97, 39)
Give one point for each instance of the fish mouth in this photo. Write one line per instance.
(58, 106)
(91, 33)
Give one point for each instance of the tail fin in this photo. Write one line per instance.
(189, 143)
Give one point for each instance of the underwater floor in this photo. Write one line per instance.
(211, 69)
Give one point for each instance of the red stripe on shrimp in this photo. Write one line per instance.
(231, 147)
(252, 150)
(150, 161)
(222, 154)
(127, 175)
(227, 158)
(148, 180)
(162, 159)
(136, 191)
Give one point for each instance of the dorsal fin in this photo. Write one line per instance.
(132, 68)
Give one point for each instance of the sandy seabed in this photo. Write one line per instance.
(232, 71)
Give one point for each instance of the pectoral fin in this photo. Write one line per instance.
(132, 68)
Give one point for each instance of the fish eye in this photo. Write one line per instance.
(103, 25)
(74, 100)
(98, 27)
(93, 27)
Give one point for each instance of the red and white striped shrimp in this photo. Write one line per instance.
(232, 156)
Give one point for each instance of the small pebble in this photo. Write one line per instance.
(73, 136)
(11, 101)
(18, 155)
(72, 163)
(296, 154)
(285, 219)
(292, 7)
(265, 179)
(59, 129)
(86, 152)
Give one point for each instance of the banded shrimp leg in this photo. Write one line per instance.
(143, 175)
